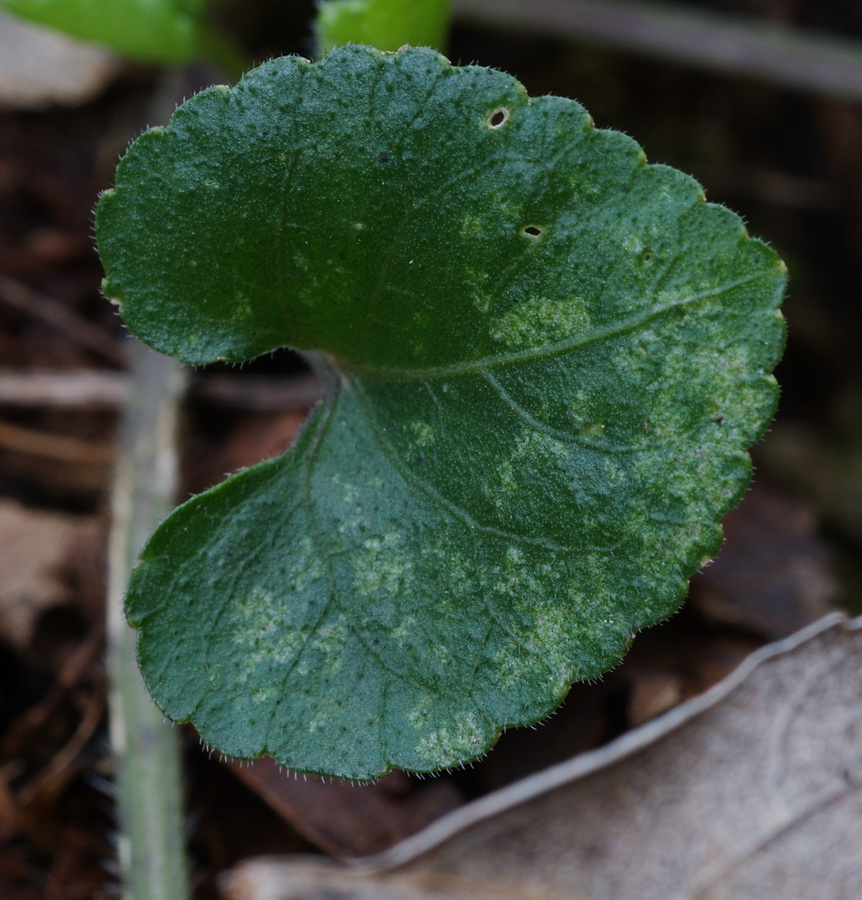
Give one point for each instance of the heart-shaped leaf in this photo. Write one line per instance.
(545, 361)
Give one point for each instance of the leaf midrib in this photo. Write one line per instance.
(546, 351)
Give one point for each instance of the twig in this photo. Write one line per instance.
(259, 393)
(15, 293)
(80, 389)
(727, 43)
(108, 390)
(149, 786)
(63, 763)
(69, 676)
(53, 446)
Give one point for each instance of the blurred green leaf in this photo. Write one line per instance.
(163, 31)
(386, 24)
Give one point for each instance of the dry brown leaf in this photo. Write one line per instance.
(748, 791)
(34, 548)
(347, 819)
(39, 67)
(773, 575)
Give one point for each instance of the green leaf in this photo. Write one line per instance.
(545, 361)
(166, 31)
(387, 24)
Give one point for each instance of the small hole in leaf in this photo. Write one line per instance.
(647, 256)
(534, 231)
(498, 117)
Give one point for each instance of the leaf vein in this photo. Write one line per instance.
(433, 494)
(547, 351)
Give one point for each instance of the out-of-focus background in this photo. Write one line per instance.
(771, 127)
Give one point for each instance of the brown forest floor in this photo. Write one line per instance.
(787, 161)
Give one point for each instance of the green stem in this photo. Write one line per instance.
(146, 747)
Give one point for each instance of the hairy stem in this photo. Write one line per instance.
(146, 748)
